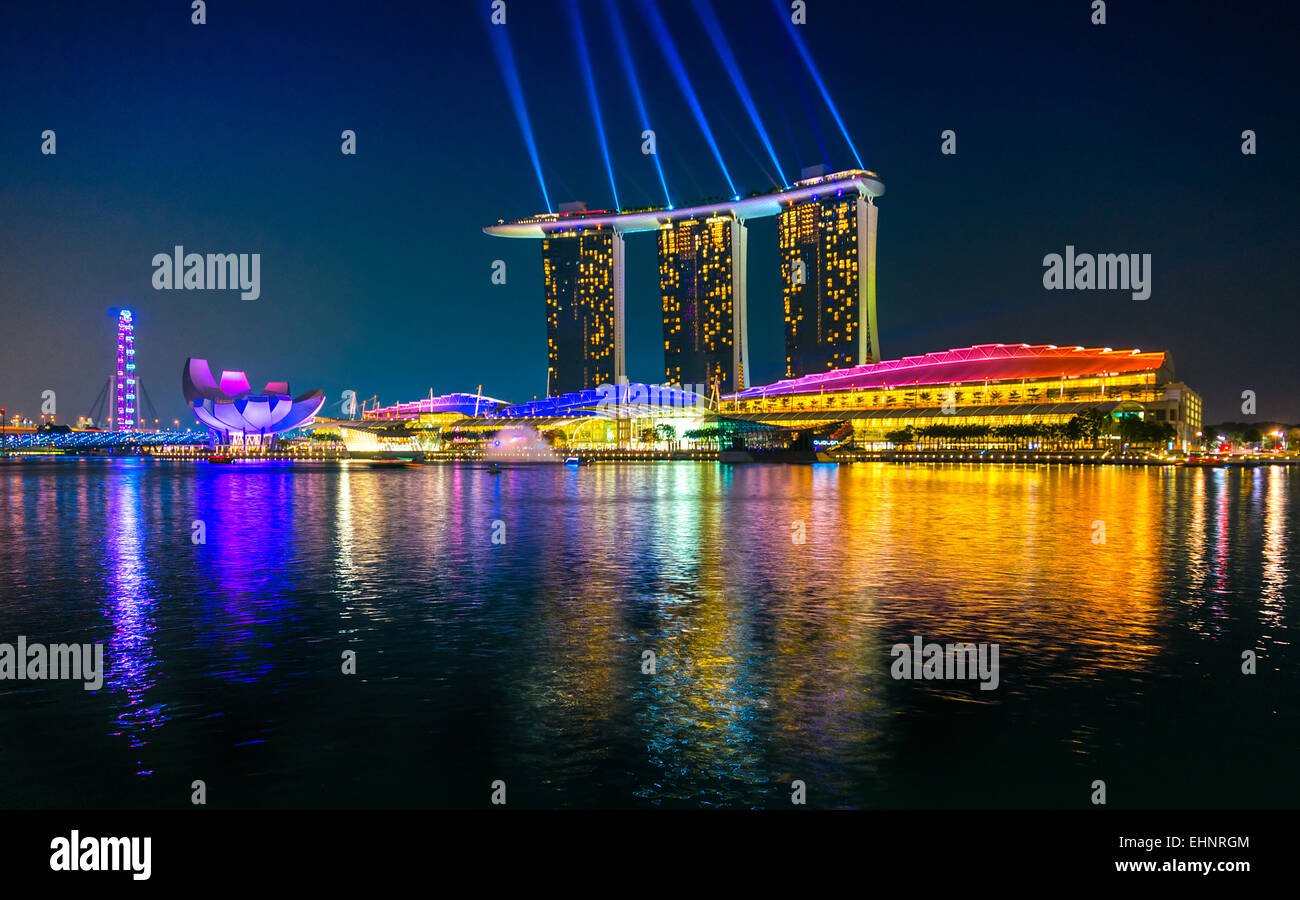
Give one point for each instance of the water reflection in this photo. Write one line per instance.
(130, 656)
(1276, 510)
(526, 655)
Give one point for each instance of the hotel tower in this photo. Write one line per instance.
(827, 251)
(827, 247)
(583, 274)
(702, 283)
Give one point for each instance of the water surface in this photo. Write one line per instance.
(521, 660)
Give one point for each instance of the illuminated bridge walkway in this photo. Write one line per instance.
(102, 440)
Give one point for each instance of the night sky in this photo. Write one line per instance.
(376, 276)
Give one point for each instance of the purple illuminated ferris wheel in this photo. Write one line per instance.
(125, 377)
(123, 403)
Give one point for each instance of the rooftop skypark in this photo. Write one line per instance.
(758, 204)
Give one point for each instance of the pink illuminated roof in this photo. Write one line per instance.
(983, 362)
(234, 383)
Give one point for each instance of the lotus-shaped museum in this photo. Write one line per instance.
(236, 414)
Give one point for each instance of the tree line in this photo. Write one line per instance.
(1086, 427)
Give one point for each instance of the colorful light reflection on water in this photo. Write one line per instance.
(523, 660)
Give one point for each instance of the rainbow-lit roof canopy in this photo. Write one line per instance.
(983, 362)
(455, 403)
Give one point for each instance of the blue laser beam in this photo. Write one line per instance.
(714, 28)
(581, 37)
(783, 12)
(629, 68)
(811, 116)
(506, 60)
(758, 163)
(669, 50)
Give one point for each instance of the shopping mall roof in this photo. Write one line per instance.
(983, 362)
(823, 414)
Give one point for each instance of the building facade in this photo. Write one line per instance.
(985, 386)
(827, 248)
(703, 287)
(583, 275)
(828, 223)
(989, 396)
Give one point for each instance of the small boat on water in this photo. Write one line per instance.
(1199, 462)
(577, 461)
(394, 464)
(494, 469)
(224, 460)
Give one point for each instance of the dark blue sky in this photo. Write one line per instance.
(375, 272)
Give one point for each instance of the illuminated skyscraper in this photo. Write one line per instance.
(124, 378)
(827, 237)
(828, 281)
(583, 271)
(702, 283)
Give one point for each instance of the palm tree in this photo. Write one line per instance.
(1093, 423)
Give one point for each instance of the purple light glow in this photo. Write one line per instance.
(229, 408)
(125, 375)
